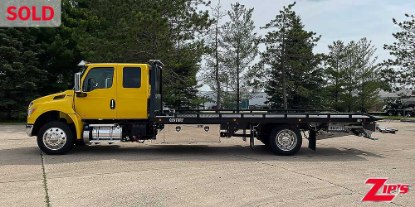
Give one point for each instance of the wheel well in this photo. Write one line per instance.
(266, 129)
(47, 117)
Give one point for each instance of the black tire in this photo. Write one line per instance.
(80, 143)
(55, 138)
(292, 146)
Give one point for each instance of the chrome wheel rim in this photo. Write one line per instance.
(54, 138)
(286, 140)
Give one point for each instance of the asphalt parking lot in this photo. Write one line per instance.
(222, 174)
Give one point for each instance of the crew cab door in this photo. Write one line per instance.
(98, 100)
(132, 91)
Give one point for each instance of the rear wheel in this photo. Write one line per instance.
(55, 138)
(285, 140)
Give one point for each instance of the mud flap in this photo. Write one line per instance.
(312, 137)
(252, 137)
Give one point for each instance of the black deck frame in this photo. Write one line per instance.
(259, 117)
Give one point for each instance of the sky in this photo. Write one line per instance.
(334, 20)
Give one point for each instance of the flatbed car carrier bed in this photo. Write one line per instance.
(266, 125)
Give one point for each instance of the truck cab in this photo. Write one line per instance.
(110, 102)
(113, 91)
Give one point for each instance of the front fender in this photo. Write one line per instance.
(57, 106)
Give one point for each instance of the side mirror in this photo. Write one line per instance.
(78, 83)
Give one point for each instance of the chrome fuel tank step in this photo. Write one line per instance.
(102, 133)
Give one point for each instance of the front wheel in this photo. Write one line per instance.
(55, 138)
(285, 140)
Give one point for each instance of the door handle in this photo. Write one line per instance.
(112, 104)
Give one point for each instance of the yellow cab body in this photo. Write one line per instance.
(110, 91)
(114, 91)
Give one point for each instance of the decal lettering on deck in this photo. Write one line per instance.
(176, 120)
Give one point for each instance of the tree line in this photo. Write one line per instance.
(348, 78)
(39, 61)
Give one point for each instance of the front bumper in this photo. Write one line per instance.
(29, 129)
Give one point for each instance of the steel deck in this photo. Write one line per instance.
(220, 117)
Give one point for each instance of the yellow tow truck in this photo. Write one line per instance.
(116, 102)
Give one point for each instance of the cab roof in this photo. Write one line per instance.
(107, 64)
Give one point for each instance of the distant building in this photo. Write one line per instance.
(394, 95)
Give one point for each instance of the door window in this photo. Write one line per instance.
(98, 78)
(131, 77)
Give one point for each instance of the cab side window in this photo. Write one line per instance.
(131, 77)
(98, 78)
